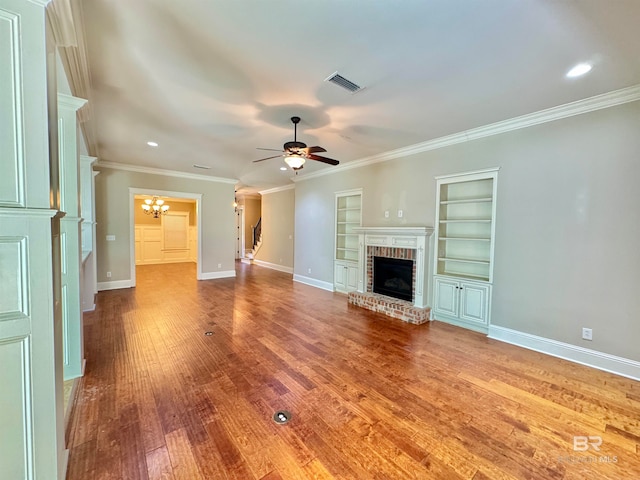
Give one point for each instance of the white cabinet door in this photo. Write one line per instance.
(352, 278)
(340, 276)
(474, 302)
(446, 296)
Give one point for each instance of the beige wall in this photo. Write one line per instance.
(141, 218)
(278, 228)
(566, 230)
(113, 218)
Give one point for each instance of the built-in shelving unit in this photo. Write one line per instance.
(348, 216)
(465, 230)
(465, 227)
(347, 250)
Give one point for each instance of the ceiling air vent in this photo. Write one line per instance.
(339, 80)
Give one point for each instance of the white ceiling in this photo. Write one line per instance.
(212, 80)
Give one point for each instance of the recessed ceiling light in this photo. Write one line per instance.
(579, 70)
(152, 144)
(283, 168)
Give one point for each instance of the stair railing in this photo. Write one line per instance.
(257, 231)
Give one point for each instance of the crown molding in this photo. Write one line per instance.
(276, 189)
(166, 173)
(42, 3)
(66, 20)
(73, 103)
(60, 15)
(598, 102)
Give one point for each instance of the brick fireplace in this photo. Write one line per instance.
(408, 243)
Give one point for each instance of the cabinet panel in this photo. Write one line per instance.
(13, 165)
(462, 302)
(446, 296)
(340, 276)
(345, 276)
(352, 278)
(474, 302)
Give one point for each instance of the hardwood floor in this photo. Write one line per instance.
(371, 397)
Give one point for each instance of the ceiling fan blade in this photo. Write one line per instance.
(330, 161)
(270, 149)
(315, 149)
(268, 158)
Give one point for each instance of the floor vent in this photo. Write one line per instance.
(281, 417)
(339, 80)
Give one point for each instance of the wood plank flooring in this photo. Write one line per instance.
(371, 397)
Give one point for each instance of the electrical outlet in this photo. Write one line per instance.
(587, 334)
(400, 213)
(309, 271)
(386, 214)
(108, 274)
(111, 238)
(219, 265)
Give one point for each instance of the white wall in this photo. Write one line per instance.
(566, 229)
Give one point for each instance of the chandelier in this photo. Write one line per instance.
(155, 206)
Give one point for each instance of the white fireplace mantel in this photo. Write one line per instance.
(417, 238)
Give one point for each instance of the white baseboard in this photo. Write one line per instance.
(116, 284)
(273, 266)
(314, 282)
(459, 323)
(90, 308)
(215, 275)
(584, 356)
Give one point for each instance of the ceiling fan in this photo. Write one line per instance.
(296, 153)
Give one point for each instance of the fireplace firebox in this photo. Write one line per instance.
(393, 277)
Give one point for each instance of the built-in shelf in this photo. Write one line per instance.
(347, 252)
(467, 239)
(467, 200)
(465, 225)
(465, 275)
(463, 260)
(466, 220)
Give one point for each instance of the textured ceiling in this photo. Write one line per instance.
(211, 81)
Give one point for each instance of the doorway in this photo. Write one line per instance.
(171, 238)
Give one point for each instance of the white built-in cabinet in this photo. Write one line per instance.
(465, 231)
(89, 281)
(347, 248)
(70, 235)
(32, 443)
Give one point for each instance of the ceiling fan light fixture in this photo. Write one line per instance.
(294, 161)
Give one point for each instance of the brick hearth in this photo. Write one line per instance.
(392, 307)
